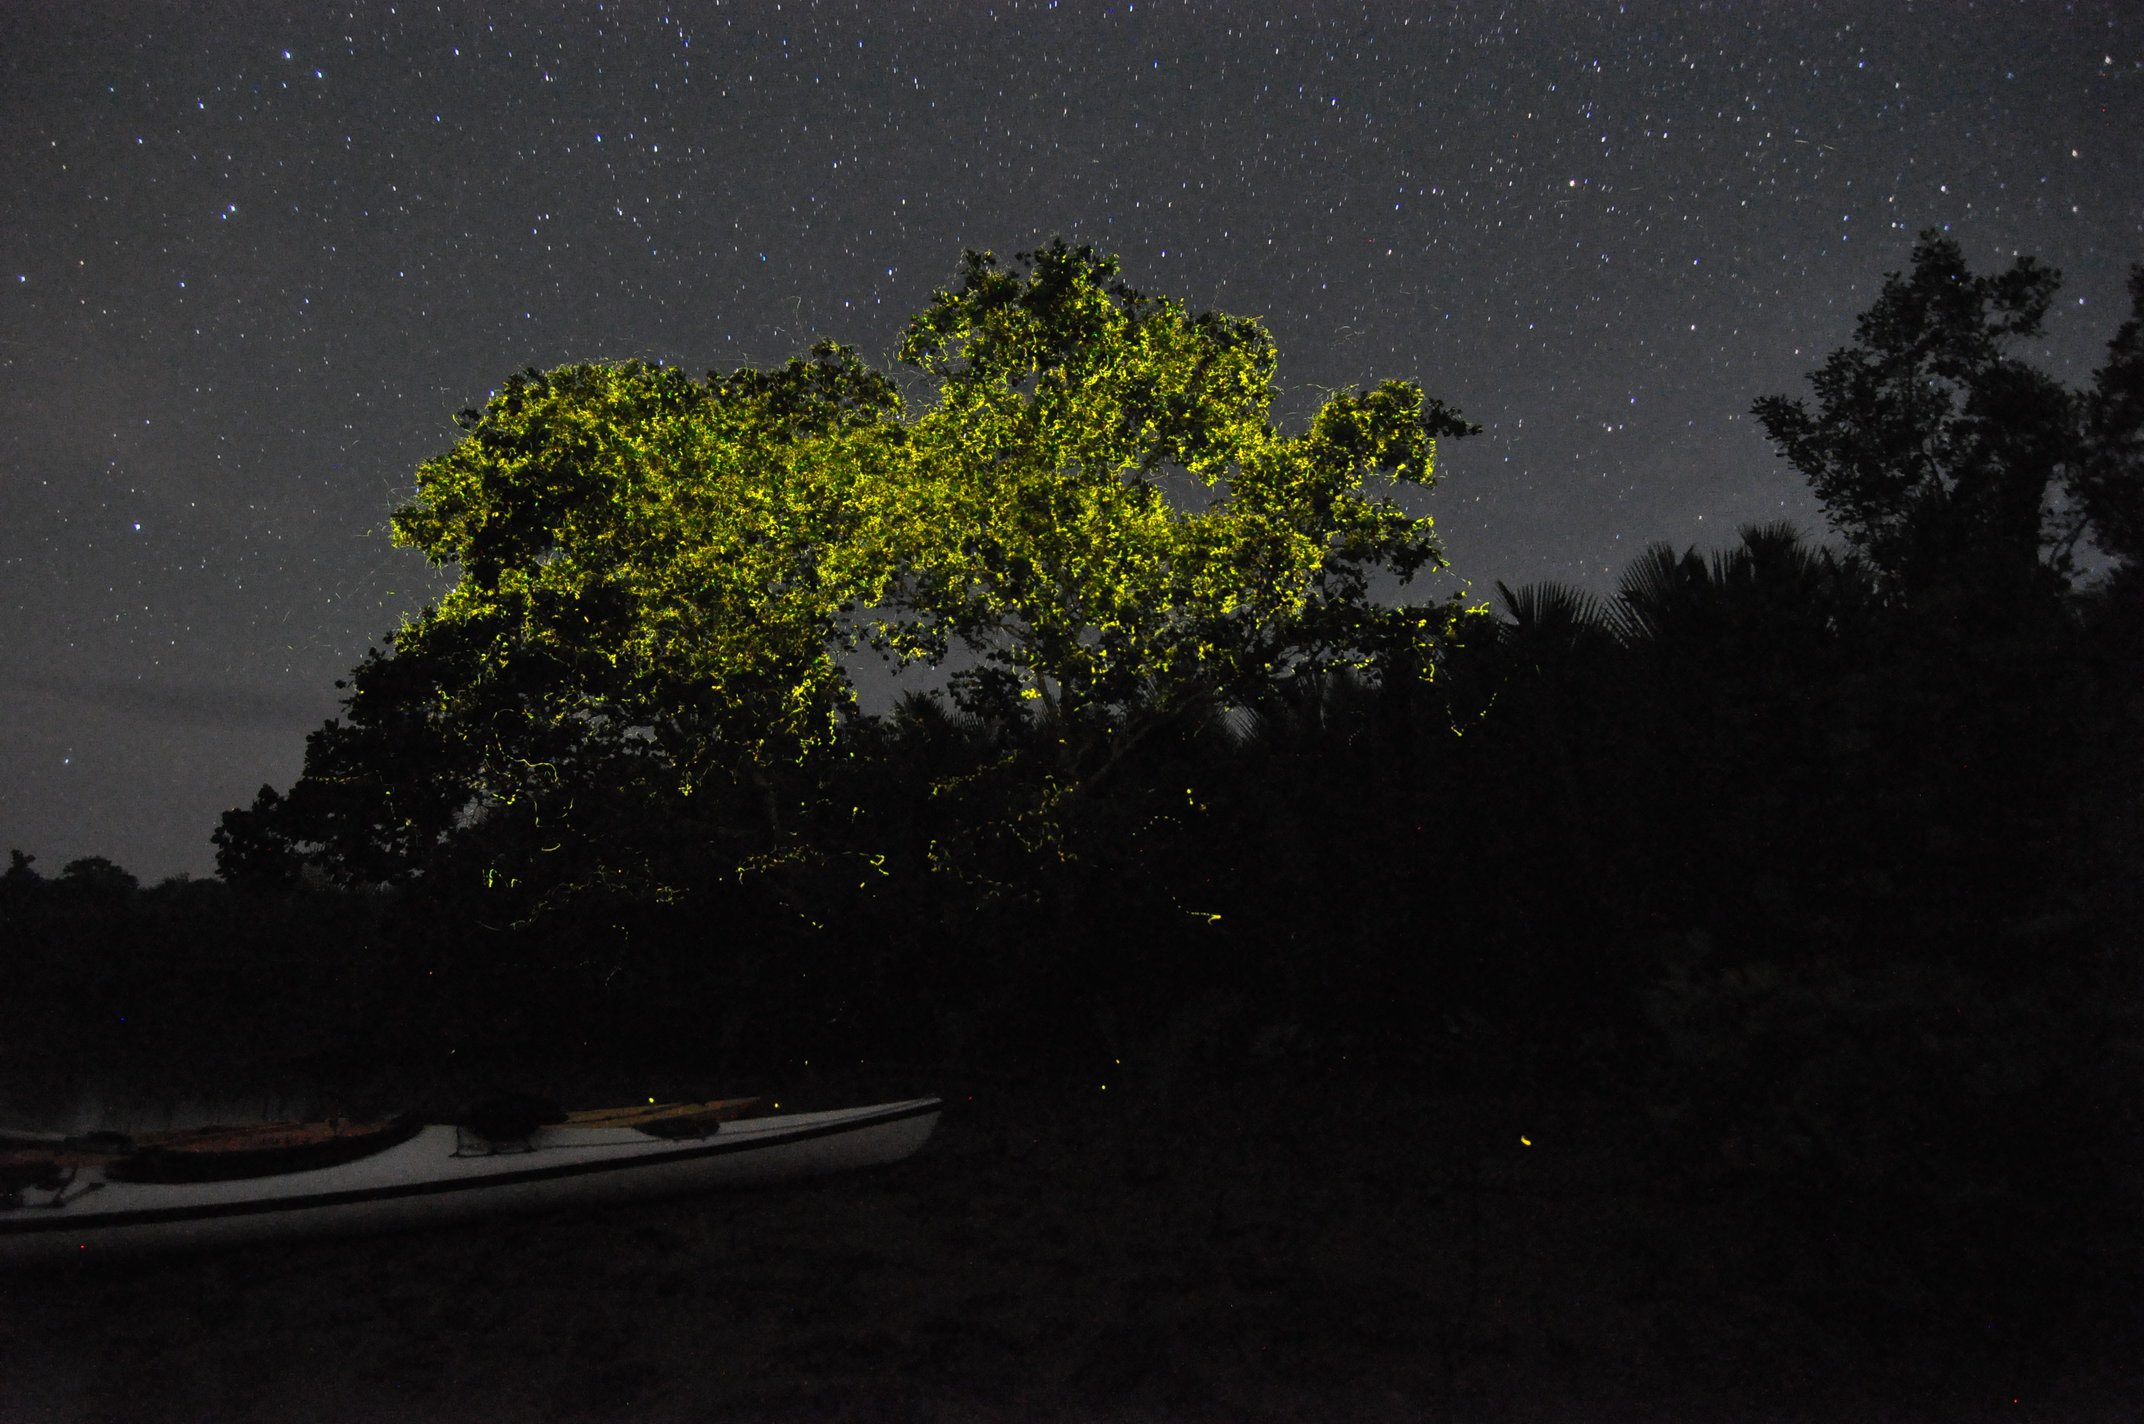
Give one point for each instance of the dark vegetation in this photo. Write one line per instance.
(1814, 871)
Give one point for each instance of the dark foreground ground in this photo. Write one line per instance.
(1280, 1249)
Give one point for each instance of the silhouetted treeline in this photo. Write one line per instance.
(1747, 758)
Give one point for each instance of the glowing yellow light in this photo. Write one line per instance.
(1526, 1142)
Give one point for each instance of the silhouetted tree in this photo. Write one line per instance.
(1932, 447)
(2109, 480)
(98, 879)
(1771, 595)
(19, 875)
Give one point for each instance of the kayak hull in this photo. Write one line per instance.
(435, 1178)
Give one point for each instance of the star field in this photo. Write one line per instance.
(255, 256)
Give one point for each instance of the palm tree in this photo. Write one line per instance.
(1772, 591)
(1552, 621)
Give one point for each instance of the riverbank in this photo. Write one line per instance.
(1281, 1249)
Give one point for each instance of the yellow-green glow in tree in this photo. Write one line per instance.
(658, 578)
(1068, 404)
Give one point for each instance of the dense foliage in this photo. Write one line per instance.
(638, 680)
(1966, 474)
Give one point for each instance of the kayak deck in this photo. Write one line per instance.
(432, 1175)
(230, 1151)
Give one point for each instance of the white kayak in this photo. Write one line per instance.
(407, 1175)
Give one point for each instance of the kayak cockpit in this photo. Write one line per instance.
(311, 1149)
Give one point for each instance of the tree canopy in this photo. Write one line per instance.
(1944, 456)
(658, 579)
(1067, 401)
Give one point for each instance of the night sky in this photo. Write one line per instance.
(255, 256)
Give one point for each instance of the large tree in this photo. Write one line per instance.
(655, 578)
(658, 579)
(1125, 525)
(1933, 446)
